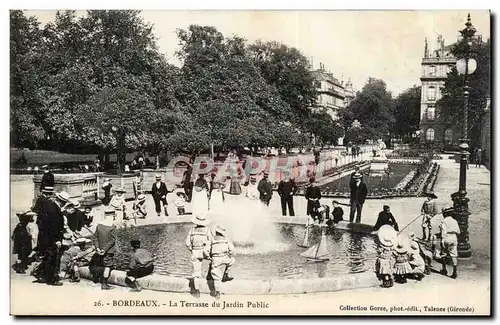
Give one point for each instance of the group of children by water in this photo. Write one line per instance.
(402, 257)
(213, 244)
(115, 199)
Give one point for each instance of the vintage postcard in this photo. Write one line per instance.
(250, 162)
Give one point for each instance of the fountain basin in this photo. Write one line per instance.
(164, 283)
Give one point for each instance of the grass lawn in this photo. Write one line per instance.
(399, 171)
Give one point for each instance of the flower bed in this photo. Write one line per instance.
(413, 184)
(411, 154)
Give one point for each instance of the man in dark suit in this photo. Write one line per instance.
(47, 178)
(50, 222)
(313, 195)
(286, 190)
(265, 189)
(358, 196)
(159, 192)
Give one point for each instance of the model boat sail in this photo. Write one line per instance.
(305, 243)
(318, 252)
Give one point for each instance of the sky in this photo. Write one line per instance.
(388, 45)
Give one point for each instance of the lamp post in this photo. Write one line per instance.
(465, 66)
(120, 140)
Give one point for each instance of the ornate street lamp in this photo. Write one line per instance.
(465, 66)
(120, 140)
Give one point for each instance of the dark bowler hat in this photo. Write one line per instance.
(448, 212)
(431, 194)
(385, 207)
(135, 243)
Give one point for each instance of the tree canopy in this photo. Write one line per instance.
(373, 108)
(407, 112)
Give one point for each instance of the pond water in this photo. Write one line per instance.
(348, 253)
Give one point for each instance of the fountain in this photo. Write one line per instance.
(379, 164)
(250, 225)
(264, 248)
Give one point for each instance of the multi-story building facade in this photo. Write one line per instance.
(349, 93)
(435, 67)
(333, 96)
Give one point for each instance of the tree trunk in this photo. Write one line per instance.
(212, 150)
(157, 161)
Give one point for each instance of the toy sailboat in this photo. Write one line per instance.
(305, 243)
(318, 252)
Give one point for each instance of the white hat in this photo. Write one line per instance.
(387, 235)
(220, 229)
(200, 220)
(120, 190)
(75, 203)
(63, 196)
(81, 241)
(357, 175)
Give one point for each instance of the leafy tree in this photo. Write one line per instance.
(26, 127)
(321, 125)
(407, 112)
(287, 69)
(227, 98)
(452, 102)
(373, 108)
(106, 53)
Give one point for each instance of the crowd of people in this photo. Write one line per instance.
(62, 241)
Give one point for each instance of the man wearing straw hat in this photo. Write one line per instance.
(159, 192)
(358, 196)
(198, 242)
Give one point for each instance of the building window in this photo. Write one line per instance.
(448, 135)
(432, 70)
(431, 95)
(431, 113)
(429, 135)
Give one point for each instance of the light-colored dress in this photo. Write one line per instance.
(384, 264)
(200, 202)
(216, 198)
(402, 267)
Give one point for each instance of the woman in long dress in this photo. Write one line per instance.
(200, 196)
(216, 195)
